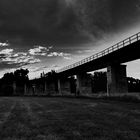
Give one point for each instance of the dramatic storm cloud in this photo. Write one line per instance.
(64, 21)
(45, 20)
(66, 24)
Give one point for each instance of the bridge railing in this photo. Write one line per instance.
(111, 49)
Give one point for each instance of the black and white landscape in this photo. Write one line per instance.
(69, 70)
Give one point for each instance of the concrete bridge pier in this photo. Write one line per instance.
(45, 87)
(83, 84)
(64, 86)
(59, 86)
(25, 89)
(14, 88)
(116, 79)
(49, 88)
(72, 81)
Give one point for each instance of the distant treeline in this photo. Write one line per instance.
(10, 81)
(17, 83)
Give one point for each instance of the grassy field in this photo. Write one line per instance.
(32, 118)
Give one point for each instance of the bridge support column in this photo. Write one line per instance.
(25, 89)
(14, 88)
(45, 86)
(83, 84)
(72, 81)
(59, 86)
(63, 86)
(116, 79)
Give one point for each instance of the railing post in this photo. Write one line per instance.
(129, 40)
(123, 43)
(117, 46)
(112, 48)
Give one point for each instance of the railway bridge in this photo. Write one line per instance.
(111, 58)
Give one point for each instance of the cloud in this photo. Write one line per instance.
(6, 52)
(4, 44)
(85, 51)
(67, 58)
(39, 20)
(20, 60)
(60, 54)
(64, 22)
(15, 55)
(9, 58)
(39, 50)
(55, 66)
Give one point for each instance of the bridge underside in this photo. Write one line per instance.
(123, 55)
(116, 73)
(116, 82)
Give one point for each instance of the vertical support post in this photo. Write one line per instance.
(83, 84)
(64, 86)
(72, 85)
(45, 86)
(78, 83)
(116, 79)
(59, 86)
(25, 89)
(14, 88)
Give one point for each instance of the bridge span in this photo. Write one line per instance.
(110, 58)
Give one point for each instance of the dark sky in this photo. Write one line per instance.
(28, 24)
(55, 21)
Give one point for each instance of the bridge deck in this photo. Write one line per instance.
(124, 51)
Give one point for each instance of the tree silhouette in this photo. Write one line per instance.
(8, 77)
(133, 84)
(7, 84)
(19, 77)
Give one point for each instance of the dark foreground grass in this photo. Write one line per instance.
(32, 118)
